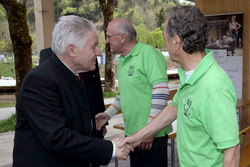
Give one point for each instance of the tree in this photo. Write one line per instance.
(108, 11)
(89, 9)
(160, 17)
(5, 40)
(143, 33)
(156, 38)
(21, 40)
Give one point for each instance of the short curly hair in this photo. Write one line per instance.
(190, 25)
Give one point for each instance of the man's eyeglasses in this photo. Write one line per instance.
(109, 36)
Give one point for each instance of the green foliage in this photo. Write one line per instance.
(129, 15)
(35, 60)
(31, 16)
(5, 42)
(81, 10)
(69, 10)
(89, 9)
(157, 39)
(34, 43)
(8, 125)
(143, 33)
(150, 21)
(138, 16)
(177, 2)
(188, 3)
(117, 13)
(171, 5)
(156, 2)
(151, 2)
(161, 17)
(146, 15)
(109, 94)
(2, 14)
(2, 45)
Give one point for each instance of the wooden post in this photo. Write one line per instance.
(45, 22)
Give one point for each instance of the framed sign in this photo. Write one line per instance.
(226, 41)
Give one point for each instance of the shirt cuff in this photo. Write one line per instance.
(114, 149)
(111, 111)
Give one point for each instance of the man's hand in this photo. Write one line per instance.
(100, 120)
(104, 130)
(122, 152)
(133, 141)
(146, 144)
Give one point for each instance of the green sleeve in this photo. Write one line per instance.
(155, 65)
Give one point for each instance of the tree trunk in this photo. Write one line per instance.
(20, 37)
(108, 10)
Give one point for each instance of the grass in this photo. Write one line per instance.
(7, 104)
(109, 94)
(7, 70)
(8, 125)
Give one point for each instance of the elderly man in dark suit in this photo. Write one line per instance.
(55, 124)
(93, 87)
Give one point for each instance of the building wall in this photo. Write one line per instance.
(209, 7)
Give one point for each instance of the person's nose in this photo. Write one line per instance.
(98, 52)
(107, 40)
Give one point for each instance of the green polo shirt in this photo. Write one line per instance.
(137, 74)
(206, 118)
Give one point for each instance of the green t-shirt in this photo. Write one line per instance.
(206, 118)
(137, 74)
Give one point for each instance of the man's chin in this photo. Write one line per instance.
(92, 69)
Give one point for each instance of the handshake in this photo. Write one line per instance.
(125, 145)
(122, 150)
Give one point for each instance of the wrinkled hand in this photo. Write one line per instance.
(146, 144)
(100, 120)
(133, 141)
(122, 152)
(104, 130)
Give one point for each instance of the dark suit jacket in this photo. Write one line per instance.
(92, 84)
(45, 54)
(54, 126)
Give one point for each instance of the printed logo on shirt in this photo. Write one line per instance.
(186, 108)
(131, 70)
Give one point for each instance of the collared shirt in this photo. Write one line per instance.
(137, 74)
(67, 66)
(206, 118)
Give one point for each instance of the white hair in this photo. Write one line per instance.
(70, 29)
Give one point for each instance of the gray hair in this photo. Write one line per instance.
(70, 29)
(126, 27)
